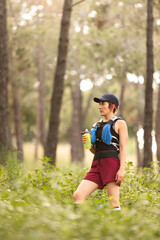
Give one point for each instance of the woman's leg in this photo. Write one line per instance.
(84, 190)
(113, 191)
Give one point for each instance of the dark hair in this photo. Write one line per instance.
(114, 109)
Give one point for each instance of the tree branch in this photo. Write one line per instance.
(78, 3)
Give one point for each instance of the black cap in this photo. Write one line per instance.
(108, 98)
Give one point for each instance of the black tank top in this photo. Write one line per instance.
(103, 150)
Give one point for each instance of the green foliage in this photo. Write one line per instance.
(13, 170)
(40, 206)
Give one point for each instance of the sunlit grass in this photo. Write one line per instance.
(64, 155)
(131, 151)
(29, 155)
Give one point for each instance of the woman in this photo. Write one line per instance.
(109, 140)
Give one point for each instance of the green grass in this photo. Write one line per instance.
(37, 204)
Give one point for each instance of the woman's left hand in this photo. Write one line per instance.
(120, 176)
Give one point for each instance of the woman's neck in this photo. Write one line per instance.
(108, 117)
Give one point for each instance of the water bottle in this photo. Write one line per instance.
(87, 144)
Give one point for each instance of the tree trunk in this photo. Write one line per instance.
(139, 159)
(148, 113)
(139, 154)
(120, 111)
(5, 136)
(40, 117)
(85, 110)
(58, 85)
(158, 127)
(140, 117)
(17, 121)
(77, 149)
(37, 133)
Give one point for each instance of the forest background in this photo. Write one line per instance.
(107, 53)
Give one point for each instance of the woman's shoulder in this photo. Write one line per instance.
(121, 120)
(121, 123)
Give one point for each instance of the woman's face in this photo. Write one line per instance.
(104, 108)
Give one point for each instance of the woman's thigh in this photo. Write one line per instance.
(85, 188)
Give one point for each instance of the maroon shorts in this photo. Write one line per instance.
(103, 171)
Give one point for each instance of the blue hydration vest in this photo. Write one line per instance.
(106, 133)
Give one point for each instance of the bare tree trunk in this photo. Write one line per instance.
(139, 159)
(140, 117)
(77, 124)
(158, 127)
(85, 110)
(17, 121)
(139, 154)
(40, 117)
(120, 111)
(5, 136)
(148, 113)
(58, 85)
(77, 149)
(37, 133)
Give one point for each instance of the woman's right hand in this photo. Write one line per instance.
(84, 139)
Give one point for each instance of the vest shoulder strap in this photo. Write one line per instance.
(95, 124)
(110, 122)
(114, 119)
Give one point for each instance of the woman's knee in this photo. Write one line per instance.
(77, 197)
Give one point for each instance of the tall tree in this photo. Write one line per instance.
(58, 84)
(40, 118)
(157, 135)
(139, 119)
(5, 137)
(148, 111)
(121, 98)
(157, 130)
(77, 149)
(17, 120)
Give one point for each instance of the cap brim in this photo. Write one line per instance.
(97, 100)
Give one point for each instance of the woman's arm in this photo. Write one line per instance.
(123, 137)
